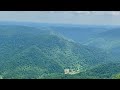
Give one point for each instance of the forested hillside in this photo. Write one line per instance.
(48, 52)
(28, 52)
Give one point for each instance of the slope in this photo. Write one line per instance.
(28, 52)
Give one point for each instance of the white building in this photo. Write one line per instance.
(71, 71)
(66, 71)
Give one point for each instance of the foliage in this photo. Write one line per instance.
(36, 53)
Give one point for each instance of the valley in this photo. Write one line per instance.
(59, 51)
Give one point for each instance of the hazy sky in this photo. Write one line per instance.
(74, 17)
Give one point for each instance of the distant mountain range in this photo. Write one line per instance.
(108, 40)
(36, 52)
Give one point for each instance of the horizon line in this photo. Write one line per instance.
(61, 23)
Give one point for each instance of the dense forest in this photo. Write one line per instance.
(45, 51)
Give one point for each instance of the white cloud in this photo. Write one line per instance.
(95, 17)
(114, 13)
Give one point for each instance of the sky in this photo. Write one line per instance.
(67, 17)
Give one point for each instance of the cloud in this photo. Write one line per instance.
(113, 13)
(79, 17)
(82, 12)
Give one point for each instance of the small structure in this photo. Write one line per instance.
(71, 71)
(66, 71)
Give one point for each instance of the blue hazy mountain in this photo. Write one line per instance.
(108, 41)
(76, 32)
